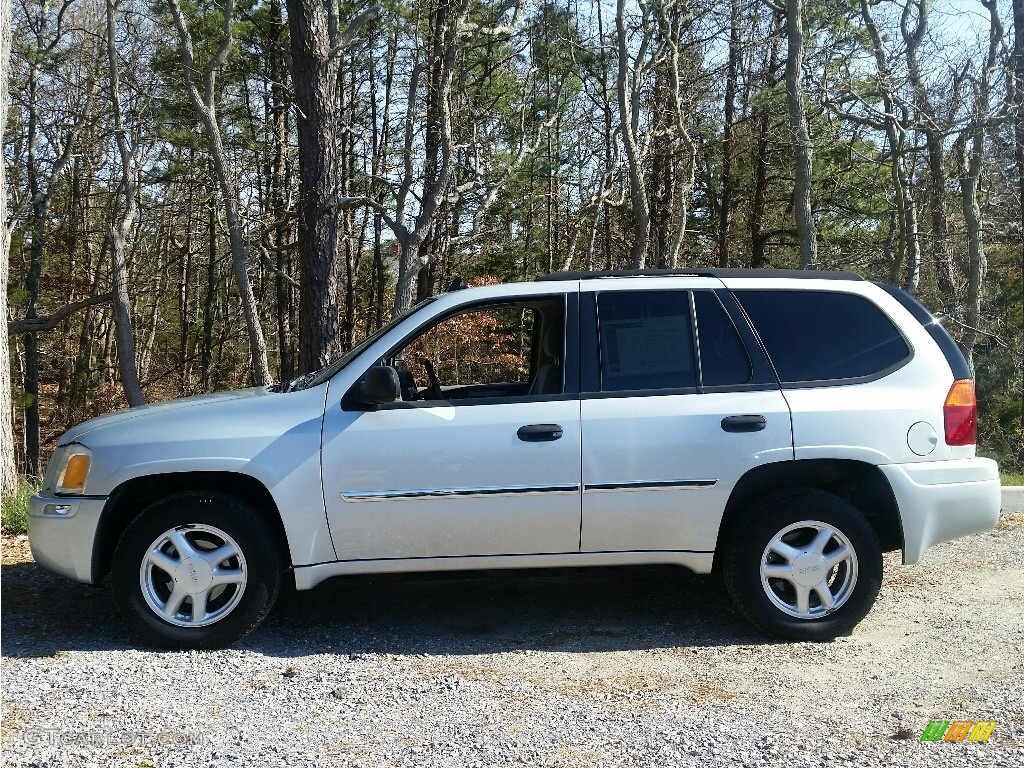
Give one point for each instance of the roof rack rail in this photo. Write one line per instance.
(806, 274)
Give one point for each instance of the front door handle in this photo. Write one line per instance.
(539, 433)
(748, 423)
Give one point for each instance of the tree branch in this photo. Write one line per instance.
(48, 323)
(345, 38)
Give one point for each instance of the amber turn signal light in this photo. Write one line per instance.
(72, 480)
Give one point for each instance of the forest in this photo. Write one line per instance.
(207, 194)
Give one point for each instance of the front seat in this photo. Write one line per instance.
(548, 380)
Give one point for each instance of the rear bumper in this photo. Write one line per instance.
(61, 531)
(943, 500)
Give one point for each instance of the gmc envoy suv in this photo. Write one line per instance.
(781, 428)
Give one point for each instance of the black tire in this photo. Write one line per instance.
(855, 580)
(205, 517)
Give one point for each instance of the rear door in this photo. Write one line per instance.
(679, 404)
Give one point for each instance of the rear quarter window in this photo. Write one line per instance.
(821, 336)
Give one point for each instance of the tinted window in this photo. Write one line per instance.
(819, 336)
(646, 340)
(723, 358)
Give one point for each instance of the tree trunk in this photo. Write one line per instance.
(803, 150)
(972, 151)
(314, 78)
(939, 250)
(629, 88)
(278, 200)
(316, 45)
(761, 160)
(411, 240)
(121, 230)
(907, 258)
(725, 210)
(8, 467)
(1018, 126)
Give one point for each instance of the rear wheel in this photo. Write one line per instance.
(196, 570)
(805, 565)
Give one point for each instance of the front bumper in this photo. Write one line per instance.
(943, 500)
(61, 531)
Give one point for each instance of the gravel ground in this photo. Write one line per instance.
(618, 667)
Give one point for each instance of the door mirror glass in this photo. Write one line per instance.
(377, 386)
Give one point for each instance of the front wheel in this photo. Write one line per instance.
(196, 570)
(806, 565)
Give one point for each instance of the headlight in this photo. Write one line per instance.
(74, 470)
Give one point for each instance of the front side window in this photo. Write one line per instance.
(646, 341)
(506, 350)
(814, 336)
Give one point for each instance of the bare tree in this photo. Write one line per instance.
(121, 230)
(43, 173)
(630, 86)
(934, 130)
(448, 30)
(895, 119)
(970, 148)
(205, 105)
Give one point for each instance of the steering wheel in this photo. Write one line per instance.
(432, 392)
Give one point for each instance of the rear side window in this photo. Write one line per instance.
(723, 358)
(821, 336)
(646, 340)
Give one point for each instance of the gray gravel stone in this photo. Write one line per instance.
(626, 667)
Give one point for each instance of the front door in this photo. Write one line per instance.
(482, 454)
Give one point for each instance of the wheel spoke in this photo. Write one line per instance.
(199, 607)
(226, 576)
(173, 604)
(803, 598)
(782, 549)
(824, 595)
(165, 563)
(835, 558)
(820, 541)
(779, 571)
(220, 554)
(184, 547)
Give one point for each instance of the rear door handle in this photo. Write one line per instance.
(539, 433)
(748, 423)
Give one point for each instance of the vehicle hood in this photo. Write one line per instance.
(169, 409)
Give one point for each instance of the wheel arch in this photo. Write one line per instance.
(132, 496)
(861, 484)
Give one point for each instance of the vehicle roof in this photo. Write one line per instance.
(805, 274)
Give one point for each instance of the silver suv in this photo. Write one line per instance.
(783, 428)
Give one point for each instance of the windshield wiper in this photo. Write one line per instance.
(297, 383)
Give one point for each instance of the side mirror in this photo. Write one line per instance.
(377, 386)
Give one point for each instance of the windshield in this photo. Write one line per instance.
(316, 378)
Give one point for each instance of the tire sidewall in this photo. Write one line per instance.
(743, 569)
(239, 520)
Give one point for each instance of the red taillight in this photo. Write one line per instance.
(960, 413)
